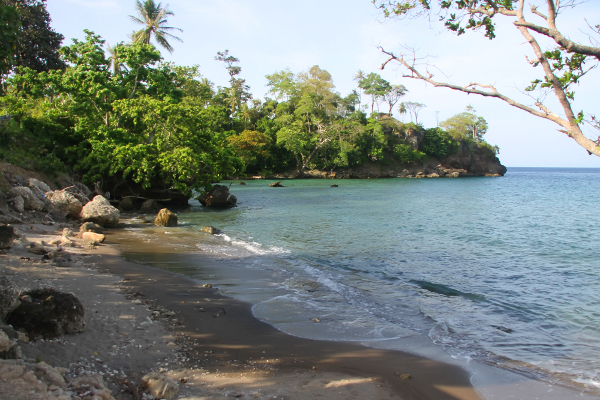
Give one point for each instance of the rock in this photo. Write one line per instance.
(150, 207)
(50, 314)
(19, 204)
(243, 183)
(67, 232)
(93, 237)
(160, 386)
(9, 348)
(91, 227)
(7, 236)
(38, 187)
(101, 212)
(95, 381)
(31, 201)
(211, 230)
(126, 204)
(5, 342)
(50, 376)
(334, 185)
(165, 218)
(217, 197)
(433, 175)
(65, 203)
(9, 297)
(276, 184)
(38, 249)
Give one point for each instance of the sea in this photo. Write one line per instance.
(492, 273)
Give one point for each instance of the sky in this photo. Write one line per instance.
(342, 36)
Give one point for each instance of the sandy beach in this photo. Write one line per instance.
(142, 319)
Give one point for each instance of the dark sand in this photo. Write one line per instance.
(224, 337)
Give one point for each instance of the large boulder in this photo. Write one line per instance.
(38, 187)
(126, 204)
(166, 218)
(217, 197)
(150, 207)
(65, 203)
(100, 212)
(9, 297)
(47, 313)
(31, 201)
(7, 236)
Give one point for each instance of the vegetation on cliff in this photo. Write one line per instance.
(122, 116)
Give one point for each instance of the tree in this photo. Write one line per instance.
(375, 86)
(393, 96)
(562, 65)
(466, 125)
(133, 126)
(9, 28)
(413, 108)
(36, 45)
(239, 92)
(154, 18)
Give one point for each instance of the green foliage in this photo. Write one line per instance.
(439, 143)
(134, 123)
(466, 125)
(405, 154)
(154, 18)
(9, 28)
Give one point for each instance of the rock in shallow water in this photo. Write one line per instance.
(217, 197)
(7, 236)
(166, 218)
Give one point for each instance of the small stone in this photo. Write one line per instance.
(211, 230)
(91, 227)
(93, 237)
(160, 386)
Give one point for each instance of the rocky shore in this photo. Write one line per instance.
(77, 322)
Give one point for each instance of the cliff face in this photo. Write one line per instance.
(477, 162)
(466, 162)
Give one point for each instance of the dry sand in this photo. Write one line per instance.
(142, 319)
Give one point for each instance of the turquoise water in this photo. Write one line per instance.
(501, 270)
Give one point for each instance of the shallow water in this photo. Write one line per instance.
(501, 270)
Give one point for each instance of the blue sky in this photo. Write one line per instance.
(342, 36)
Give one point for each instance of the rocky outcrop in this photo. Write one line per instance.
(7, 236)
(100, 212)
(276, 184)
(30, 201)
(219, 196)
(38, 187)
(65, 203)
(165, 218)
(477, 161)
(47, 313)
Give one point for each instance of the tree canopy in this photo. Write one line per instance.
(562, 65)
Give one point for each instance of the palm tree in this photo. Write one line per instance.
(154, 18)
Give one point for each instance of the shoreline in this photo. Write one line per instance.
(235, 338)
(215, 347)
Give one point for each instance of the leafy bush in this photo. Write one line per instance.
(438, 143)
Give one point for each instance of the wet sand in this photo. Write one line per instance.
(222, 336)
